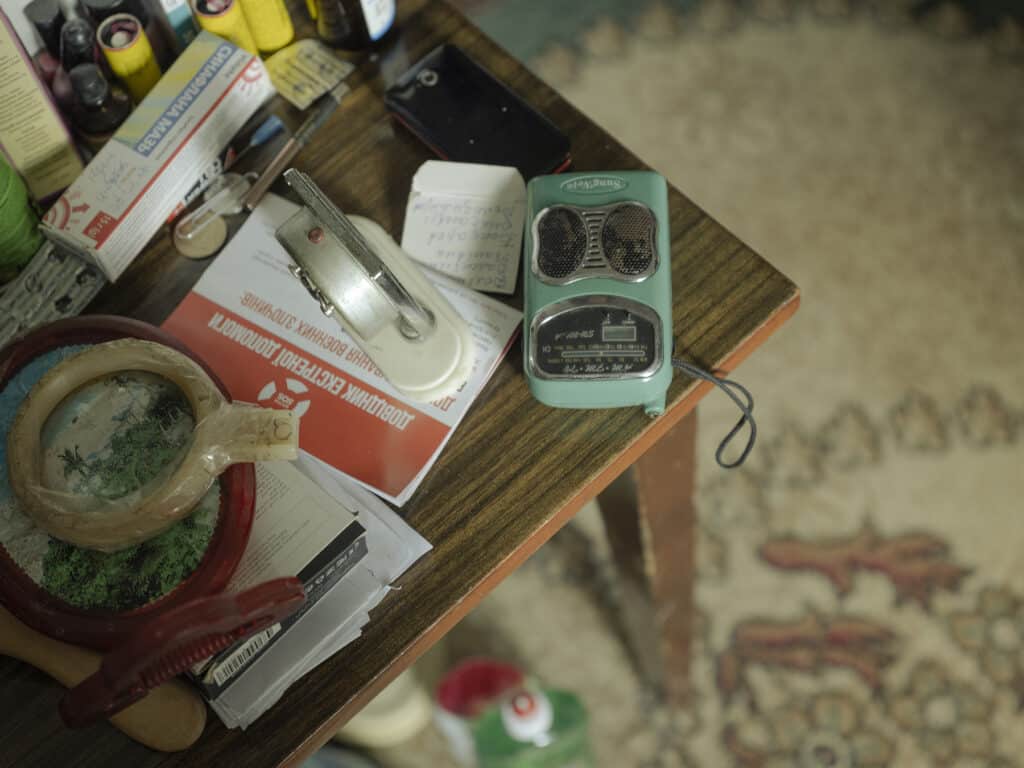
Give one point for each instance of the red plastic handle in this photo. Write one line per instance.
(173, 643)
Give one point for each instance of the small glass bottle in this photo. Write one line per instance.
(353, 25)
(47, 18)
(77, 44)
(99, 108)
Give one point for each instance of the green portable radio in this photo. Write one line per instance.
(598, 290)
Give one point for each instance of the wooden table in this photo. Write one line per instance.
(514, 472)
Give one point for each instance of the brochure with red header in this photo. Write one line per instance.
(266, 338)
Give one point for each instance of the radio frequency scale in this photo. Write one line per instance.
(598, 290)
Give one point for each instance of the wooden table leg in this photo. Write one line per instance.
(649, 518)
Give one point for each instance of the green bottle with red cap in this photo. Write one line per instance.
(533, 728)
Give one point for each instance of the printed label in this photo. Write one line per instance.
(594, 185)
(100, 227)
(232, 665)
(163, 124)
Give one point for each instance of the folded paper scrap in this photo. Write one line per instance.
(271, 345)
(139, 177)
(466, 221)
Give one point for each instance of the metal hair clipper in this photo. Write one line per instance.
(360, 277)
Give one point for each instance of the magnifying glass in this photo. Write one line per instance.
(115, 444)
(152, 609)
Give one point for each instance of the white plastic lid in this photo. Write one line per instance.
(528, 716)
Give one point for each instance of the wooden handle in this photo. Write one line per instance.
(270, 174)
(169, 719)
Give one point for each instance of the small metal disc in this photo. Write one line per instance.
(206, 242)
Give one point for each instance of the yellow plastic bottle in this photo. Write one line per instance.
(225, 18)
(129, 54)
(269, 23)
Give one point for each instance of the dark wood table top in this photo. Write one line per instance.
(514, 472)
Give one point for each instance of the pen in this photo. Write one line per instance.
(267, 130)
(281, 160)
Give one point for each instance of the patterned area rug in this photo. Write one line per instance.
(861, 584)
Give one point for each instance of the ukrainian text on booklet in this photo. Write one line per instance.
(257, 327)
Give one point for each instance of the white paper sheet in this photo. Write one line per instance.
(295, 519)
(466, 221)
(338, 618)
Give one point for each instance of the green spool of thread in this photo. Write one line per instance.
(19, 227)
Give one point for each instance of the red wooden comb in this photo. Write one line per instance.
(173, 643)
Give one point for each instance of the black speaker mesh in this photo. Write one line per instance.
(627, 239)
(562, 242)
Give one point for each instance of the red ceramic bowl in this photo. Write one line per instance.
(104, 629)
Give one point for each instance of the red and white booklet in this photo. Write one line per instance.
(259, 329)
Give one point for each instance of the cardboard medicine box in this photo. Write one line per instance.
(140, 176)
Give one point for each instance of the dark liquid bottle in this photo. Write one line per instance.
(98, 108)
(47, 18)
(353, 25)
(77, 44)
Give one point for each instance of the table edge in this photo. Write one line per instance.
(658, 428)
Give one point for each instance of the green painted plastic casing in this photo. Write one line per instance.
(578, 320)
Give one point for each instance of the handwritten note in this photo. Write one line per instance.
(466, 220)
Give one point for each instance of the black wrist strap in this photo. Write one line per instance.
(735, 391)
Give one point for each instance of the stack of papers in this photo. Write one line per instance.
(287, 520)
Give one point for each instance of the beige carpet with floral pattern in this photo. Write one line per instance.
(861, 583)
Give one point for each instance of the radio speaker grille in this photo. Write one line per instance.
(627, 239)
(562, 237)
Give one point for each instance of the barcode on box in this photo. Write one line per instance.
(234, 663)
